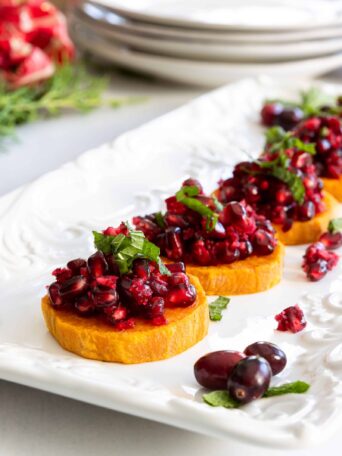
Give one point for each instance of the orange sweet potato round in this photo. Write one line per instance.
(254, 274)
(94, 338)
(307, 232)
(334, 187)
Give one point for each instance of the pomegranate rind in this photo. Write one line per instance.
(310, 231)
(93, 338)
(334, 187)
(251, 275)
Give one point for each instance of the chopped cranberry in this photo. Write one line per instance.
(291, 319)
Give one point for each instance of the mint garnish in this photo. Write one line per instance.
(126, 249)
(222, 398)
(335, 225)
(186, 196)
(216, 307)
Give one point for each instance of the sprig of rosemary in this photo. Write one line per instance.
(71, 88)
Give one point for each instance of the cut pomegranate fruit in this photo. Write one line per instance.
(92, 289)
(291, 319)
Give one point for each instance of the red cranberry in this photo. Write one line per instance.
(270, 114)
(249, 379)
(271, 352)
(291, 319)
(73, 287)
(331, 241)
(212, 370)
(54, 294)
(97, 264)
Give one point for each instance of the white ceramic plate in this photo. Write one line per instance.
(233, 15)
(198, 72)
(212, 51)
(110, 19)
(49, 221)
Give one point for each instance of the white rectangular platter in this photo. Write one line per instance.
(48, 222)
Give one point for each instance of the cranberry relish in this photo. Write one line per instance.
(283, 187)
(98, 287)
(201, 231)
(326, 133)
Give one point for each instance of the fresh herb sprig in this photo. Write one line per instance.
(312, 102)
(277, 140)
(335, 225)
(126, 249)
(186, 195)
(221, 398)
(71, 88)
(216, 308)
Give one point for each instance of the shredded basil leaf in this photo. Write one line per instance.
(298, 387)
(216, 307)
(159, 219)
(220, 399)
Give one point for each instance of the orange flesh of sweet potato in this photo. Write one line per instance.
(94, 338)
(334, 187)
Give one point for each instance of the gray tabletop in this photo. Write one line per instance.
(39, 423)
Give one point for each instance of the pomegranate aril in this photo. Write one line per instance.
(115, 314)
(158, 286)
(54, 294)
(307, 211)
(177, 278)
(212, 370)
(141, 268)
(193, 183)
(155, 307)
(174, 244)
(181, 296)
(291, 319)
(316, 271)
(290, 118)
(106, 282)
(62, 274)
(125, 324)
(271, 352)
(331, 241)
(270, 114)
(85, 305)
(176, 267)
(159, 321)
(76, 265)
(249, 379)
(73, 287)
(97, 265)
(141, 292)
(105, 298)
(263, 242)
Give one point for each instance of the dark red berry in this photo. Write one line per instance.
(249, 379)
(271, 352)
(212, 370)
(73, 287)
(97, 264)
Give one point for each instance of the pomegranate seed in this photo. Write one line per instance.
(62, 274)
(263, 242)
(193, 183)
(291, 319)
(125, 324)
(105, 298)
(97, 265)
(177, 278)
(158, 286)
(331, 241)
(54, 294)
(174, 249)
(107, 282)
(307, 211)
(317, 261)
(115, 314)
(73, 287)
(176, 267)
(85, 305)
(155, 308)
(159, 321)
(141, 268)
(141, 292)
(181, 296)
(76, 265)
(174, 206)
(270, 114)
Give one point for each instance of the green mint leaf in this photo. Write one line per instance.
(159, 219)
(294, 182)
(102, 242)
(186, 196)
(218, 205)
(298, 387)
(313, 100)
(335, 225)
(302, 146)
(216, 307)
(275, 135)
(220, 399)
(162, 268)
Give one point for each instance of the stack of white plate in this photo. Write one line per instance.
(210, 42)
